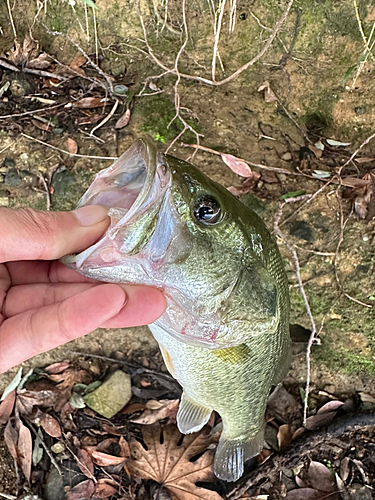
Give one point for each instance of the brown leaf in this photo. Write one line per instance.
(43, 61)
(167, 408)
(282, 405)
(51, 426)
(71, 146)
(85, 463)
(103, 459)
(167, 461)
(83, 490)
(11, 438)
(319, 476)
(43, 395)
(364, 159)
(344, 468)
(125, 449)
(305, 494)
(70, 377)
(6, 407)
(57, 367)
(105, 490)
(324, 415)
(124, 120)
(284, 436)
(269, 95)
(20, 54)
(24, 450)
(238, 166)
(89, 102)
(76, 64)
(89, 120)
(317, 151)
(41, 125)
(330, 406)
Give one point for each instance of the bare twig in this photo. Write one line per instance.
(341, 239)
(46, 188)
(50, 455)
(108, 117)
(19, 115)
(89, 60)
(366, 141)
(312, 337)
(67, 152)
(217, 36)
(234, 75)
(252, 164)
(11, 19)
(37, 72)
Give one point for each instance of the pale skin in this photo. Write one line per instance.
(42, 303)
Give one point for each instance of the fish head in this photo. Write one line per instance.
(175, 229)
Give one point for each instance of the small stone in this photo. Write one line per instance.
(4, 199)
(282, 177)
(330, 388)
(9, 163)
(12, 177)
(365, 237)
(24, 157)
(114, 393)
(302, 230)
(360, 110)
(58, 447)
(286, 156)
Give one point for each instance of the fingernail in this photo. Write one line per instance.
(91, 214)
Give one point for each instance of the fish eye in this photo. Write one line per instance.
(207, 210)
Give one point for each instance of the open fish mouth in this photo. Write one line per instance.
(133, 188)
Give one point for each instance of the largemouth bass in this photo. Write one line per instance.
(225, 333)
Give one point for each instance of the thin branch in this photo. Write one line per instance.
(108, 117)
(31, 71)
(46, 188)
(217, 36)
(206, 81)
(366, 141)
(19, 115)
(67, 152)
(11, 19)
(312, 337)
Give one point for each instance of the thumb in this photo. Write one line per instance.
(35, 235)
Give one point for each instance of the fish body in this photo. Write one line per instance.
(225, 333)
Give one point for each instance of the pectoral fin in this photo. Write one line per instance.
(191, 416)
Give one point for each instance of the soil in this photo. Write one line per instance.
(322, 92)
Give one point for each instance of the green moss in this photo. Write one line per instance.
(157, 112)
(342, 360)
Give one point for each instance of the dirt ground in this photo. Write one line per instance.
(317, 109)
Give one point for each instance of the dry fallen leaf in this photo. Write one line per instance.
(50, 425)
(238, 166)
(284, 436)
(103, 459)
(24, 449)
(85, 489)
(71, 146)
(6, 407)
(89, 102)
(85, 463)
(320, 477)
(124, 120)
(305, 494)
(57, 367)
(105, 490)
(166, 408)
(167, 461)
(324, 415)
(269, 95)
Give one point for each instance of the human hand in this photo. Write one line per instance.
(43, 304)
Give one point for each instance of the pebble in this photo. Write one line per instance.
(286, 156)
(12, 177)
(4, 199)
(365, 237)
(282, 177)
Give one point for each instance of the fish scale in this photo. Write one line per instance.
(225, 332)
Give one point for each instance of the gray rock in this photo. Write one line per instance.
(114, 393)
(12, 177)
(302, 230)
(9, 163)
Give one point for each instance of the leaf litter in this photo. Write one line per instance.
(141, 445)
